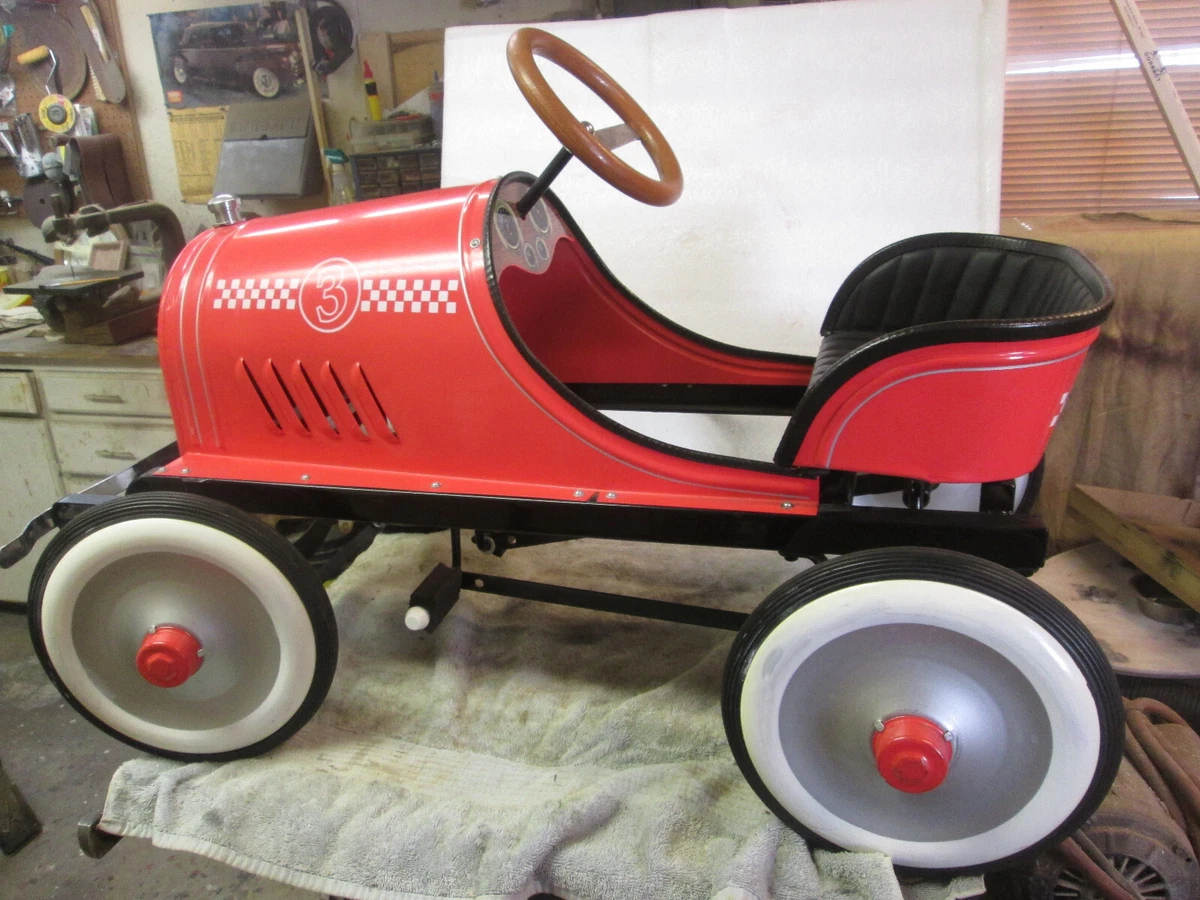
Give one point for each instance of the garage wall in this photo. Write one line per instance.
(345, 85)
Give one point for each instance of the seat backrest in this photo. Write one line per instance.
(945, 290)
(964, 278)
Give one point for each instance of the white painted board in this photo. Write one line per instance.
(809, 135)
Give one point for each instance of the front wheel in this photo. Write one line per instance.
(266, 82)
(183, 626)
(179, 70)
(924, 704)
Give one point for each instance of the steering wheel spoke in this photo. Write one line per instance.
(615, 136)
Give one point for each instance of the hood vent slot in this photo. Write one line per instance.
(309, 395)
(248, 376)
(337, 383)
(360, 373)
(273, 378)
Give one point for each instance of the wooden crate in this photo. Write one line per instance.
(1160, 535)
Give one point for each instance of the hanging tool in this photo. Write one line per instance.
(103, 61)
(41, 25)
(23, 145)
(8, 87)
(56, 112)
(331, 35)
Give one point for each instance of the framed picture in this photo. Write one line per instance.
(227, 54)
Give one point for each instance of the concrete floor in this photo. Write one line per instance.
(62, 764)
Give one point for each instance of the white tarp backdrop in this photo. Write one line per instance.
(809, 135)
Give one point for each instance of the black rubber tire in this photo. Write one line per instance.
(234, 522)
(947, 567)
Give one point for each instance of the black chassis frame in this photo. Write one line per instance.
(1017, 541)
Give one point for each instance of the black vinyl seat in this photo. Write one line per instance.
(833, 347)
(947, 288)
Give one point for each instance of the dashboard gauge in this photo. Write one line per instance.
(507, 226)
(530, 256)
(540, 216)
(543, 251)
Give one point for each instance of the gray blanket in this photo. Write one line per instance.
(520, 748)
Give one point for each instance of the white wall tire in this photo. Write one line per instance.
(269, 638)
(1032, 705)
(266, 83)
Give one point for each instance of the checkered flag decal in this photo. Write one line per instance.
(396, 295)
(257, 293)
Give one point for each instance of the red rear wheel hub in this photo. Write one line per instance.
(912, 753)
(169, 656)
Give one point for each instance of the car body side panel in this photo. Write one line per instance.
(958, 413)
(359, 346)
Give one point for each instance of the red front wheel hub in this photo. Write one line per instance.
(169, 656)
(912, 753)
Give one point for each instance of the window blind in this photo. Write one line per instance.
(1082, 132)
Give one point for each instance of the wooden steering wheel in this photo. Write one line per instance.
(523, 46)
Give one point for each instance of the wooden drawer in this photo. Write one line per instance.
(110, 393)
(101, 447)
(30, 486)
(17, 394)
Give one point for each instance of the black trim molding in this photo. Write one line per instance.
(726, 399)
(1017, 541)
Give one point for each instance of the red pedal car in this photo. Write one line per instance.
(445, 360)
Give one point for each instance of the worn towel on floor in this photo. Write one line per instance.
(521, 747)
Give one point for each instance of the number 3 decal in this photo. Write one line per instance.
(329, 283)
(329, 295)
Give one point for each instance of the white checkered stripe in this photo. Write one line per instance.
(399, 295)
(257, 293)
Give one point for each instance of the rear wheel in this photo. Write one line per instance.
(183, 626)
(924, 704)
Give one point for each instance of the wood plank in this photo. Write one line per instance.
(314, 97)
(1153, 546)
(1148, 508)
(1163, 88)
